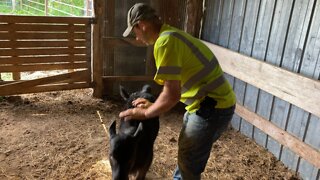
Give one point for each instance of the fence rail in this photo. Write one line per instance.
(32, 43)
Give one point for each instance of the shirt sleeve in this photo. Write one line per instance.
(168, 60)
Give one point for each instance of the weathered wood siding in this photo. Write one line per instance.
(285, 33)
(125, 59)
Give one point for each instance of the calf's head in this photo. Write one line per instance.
(124, 144)
(144, 93)
(122, 148)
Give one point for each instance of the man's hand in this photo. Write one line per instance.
(144, 109)
(135, 113)
(141, 103)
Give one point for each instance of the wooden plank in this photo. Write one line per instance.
(45, 36)
(226, 21)
(194, 15)
(276, 46)
(31, 43)
(261, 103)
(8, 88)
(279, 116)
(119, 42)
(212, 20)
(312, 50)
(109, 32)
(246, 45)
(274, 80)
(49, 88)
(291, 59)
(274, 54)
(43, 67)
(234, 44)
(44, 19)
(41, 27)
(296, 125)
(127, 78)
(306, 169)
(89, 51)
(264, 101)
(239, 88)
(237, 24)
(310, 67)
(250, 99)
(47, 51)
(97, 64)
(307, 152)
(43, 60)
(171, 12)
(250, 20)
(15, 75)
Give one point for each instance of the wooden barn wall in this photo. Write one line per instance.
(130, 60)
(285, 33)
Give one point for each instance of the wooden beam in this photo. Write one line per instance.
(119, 41)
(109, 55)
(294, 144)
(43, 67)
(44, 19)
(127, 78)
(34, 35)
(54, 87)
(23, 85)
(291, 87)
(42, 27)
(33, 44)
(97, 64)
(43, 60)
(47, 51)
(194, 15)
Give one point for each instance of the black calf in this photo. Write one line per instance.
(131, 150)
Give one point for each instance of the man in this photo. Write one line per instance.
(190, 73)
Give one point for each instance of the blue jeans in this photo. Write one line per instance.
(196, 139)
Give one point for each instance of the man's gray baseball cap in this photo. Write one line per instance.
(139, 11)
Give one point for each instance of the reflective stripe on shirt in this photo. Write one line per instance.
(208, 67)
(169, 70)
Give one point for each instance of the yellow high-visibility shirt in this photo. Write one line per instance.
(180, 56)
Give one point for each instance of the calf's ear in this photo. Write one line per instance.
(146, 89)
(112, 129)
(124, 93)
(139, 129)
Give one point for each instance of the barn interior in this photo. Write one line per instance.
(269, 51)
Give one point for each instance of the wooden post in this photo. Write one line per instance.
(97, 45)
(46, 7)
(15, 75)
(13, 5)
(109, 66)
(87, 6)
(194, 12)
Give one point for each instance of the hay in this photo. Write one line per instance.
(56, 135)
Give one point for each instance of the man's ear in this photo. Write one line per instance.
(139, 24)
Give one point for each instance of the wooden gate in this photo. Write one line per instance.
(33, 43)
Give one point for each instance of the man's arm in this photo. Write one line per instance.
(167, 99)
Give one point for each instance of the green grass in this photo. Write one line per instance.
(6, 76)
(6, 9)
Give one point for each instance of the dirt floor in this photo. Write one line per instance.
(58, 135)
